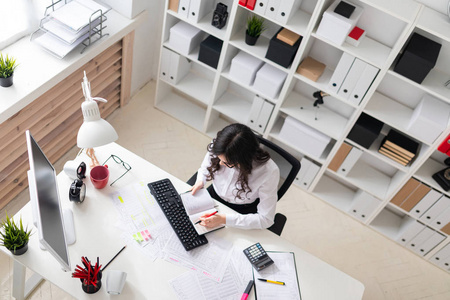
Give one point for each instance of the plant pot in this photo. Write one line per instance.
(6, 82)
(250, 40)
(90, 288)
(21, 250)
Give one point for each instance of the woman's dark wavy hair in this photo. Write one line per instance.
(240, 147)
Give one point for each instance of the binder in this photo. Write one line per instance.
(405, 191)
(173, 5)
(260, 7)
(250, 4)
(254, 112)
(442, 219)
(264, 116)
(427, 201)
(425, 247)
(342, 68)
(409, 228)
(352, 78)
(420, 238)
(339, 157)
(442, 257)
(272, 9)
(164, 68)
(310, 174)
(350, 161)
(303, 170)
(363, 205)
(183, 8)
(435, 210)
(415, 197)
(446, 229)
(179, 67)
(199, 8)
(286, 9)
(243, 2)
(363, 84)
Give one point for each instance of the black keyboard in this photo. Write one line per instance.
(170, 203)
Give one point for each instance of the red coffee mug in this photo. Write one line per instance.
(99, 176)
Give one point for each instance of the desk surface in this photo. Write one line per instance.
(97, 235)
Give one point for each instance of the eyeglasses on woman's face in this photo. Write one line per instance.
(223, 161)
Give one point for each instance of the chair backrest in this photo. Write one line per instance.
(291, 160)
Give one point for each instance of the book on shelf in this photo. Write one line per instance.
(402, 143)
(198, 205)
(393, 156)
(388, 145)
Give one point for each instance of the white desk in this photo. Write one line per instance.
(96, 236)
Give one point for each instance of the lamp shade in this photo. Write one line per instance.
(94, 131)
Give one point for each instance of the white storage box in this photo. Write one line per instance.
(429, 119)
(184, 37)
(269, 81)
(244, 67)
(335, 27)
(308, 140)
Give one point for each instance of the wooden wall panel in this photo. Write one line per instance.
(55, 117)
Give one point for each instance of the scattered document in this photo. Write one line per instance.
(193, 286)
(211, 260)
(284, 270)
(198, 205)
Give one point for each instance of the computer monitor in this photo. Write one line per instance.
(55, 228)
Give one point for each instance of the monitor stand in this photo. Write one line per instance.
(69, 228)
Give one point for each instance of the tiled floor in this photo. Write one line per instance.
(387, 270)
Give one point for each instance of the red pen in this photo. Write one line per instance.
(247, 290)
(207, 216)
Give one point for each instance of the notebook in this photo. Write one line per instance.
(198, 205)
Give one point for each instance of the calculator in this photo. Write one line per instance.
(258, 256)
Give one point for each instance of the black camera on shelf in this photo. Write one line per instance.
(220, 16)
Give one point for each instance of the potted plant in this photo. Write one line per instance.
(14, 237)
(255, 26)
(7, 66)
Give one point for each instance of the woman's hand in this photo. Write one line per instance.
(213, 221)
(197, 186)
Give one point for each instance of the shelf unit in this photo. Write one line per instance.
(391, 98)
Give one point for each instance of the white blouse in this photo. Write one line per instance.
(263, 182)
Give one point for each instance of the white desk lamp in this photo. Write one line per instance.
(94, 131)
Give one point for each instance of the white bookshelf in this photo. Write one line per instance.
(208, 99)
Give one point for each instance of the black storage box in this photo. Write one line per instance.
(365, 131)
(418, 58)
(210, 51)
(280, 52)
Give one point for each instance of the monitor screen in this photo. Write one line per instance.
(44, 193)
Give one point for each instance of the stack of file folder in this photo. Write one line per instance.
(399, 148)
(68, 24)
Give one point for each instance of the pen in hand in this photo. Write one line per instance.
(207, 216)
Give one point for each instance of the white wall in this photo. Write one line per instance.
(147, 39)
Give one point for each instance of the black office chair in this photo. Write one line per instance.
(280, 157)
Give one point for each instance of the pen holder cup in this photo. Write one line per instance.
(90, 288)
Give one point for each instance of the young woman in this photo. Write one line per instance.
(243, 178)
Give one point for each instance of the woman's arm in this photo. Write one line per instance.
(202, 173)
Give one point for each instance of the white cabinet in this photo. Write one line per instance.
(356, 79)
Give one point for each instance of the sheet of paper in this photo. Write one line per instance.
(140, 215)
(283, 270)
(194, 286)
(210, 260)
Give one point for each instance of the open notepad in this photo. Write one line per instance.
(198, 205)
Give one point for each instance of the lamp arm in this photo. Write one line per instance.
(91, 154)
